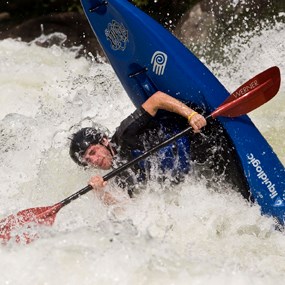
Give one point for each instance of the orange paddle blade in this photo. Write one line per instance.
(262, 92)
(272, 73)
(12, 226)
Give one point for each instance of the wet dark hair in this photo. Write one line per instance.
(81, 140)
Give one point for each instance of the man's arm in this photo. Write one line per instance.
(162, 101)
(157, 101)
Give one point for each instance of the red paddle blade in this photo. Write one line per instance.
(240, 103)
(19, 227)
(270, 73)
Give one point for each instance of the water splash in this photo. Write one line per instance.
(185, 234)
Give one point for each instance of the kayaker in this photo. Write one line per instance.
(92, 147)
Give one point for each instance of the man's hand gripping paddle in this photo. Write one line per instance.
(246, 98)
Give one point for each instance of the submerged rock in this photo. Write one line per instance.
(219, 20)
(4, 16)
(74, 25)
(206, 25)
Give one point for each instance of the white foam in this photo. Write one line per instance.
(187, 234)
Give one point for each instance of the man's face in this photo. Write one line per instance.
(98, 156)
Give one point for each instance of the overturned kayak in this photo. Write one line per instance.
(147, 58)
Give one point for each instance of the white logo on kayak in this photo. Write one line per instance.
(262, 175)
(159, 60)
(118, 35)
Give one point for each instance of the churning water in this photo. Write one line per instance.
(188, 234)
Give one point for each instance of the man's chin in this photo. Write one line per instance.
(106, 166)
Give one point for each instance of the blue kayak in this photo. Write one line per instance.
(146, 58)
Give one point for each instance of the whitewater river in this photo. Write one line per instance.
(188, 234)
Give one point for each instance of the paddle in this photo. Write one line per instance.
(248, 97)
